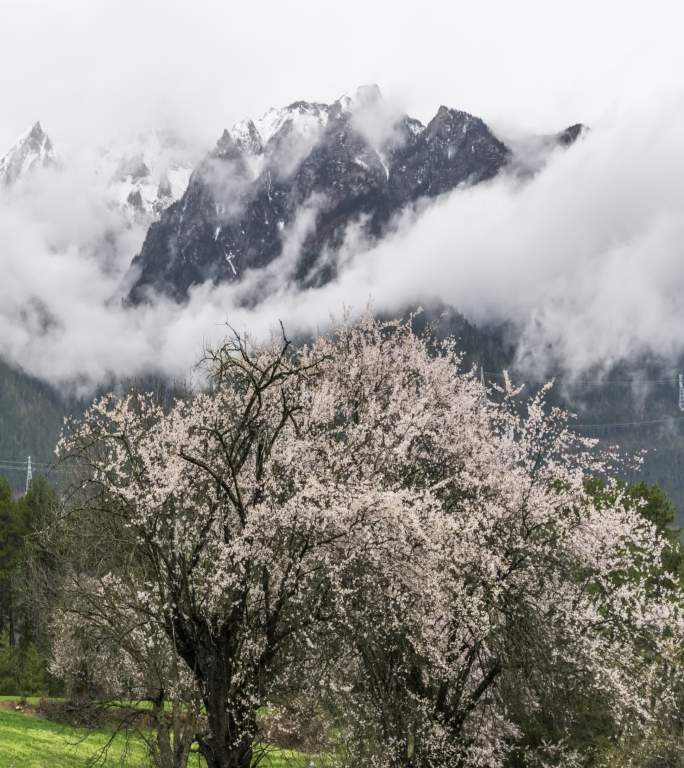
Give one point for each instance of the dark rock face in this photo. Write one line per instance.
(308, 172)
(455, 148)
(571, 134)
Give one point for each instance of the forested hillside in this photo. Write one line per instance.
(31, 414)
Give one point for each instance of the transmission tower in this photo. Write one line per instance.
(29, 474)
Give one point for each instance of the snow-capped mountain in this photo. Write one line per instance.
(310, 172)
(305, 119)
(31, 151)
(137, 177)
(146, 174)
(296, 181)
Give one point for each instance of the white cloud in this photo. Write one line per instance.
(585, 258)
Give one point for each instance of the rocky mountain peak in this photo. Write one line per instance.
(37, 133)
(571, 134)
(327, 160)
(449, 123)
(247, 138)
(226, 144)
(32, 150)
(365, 96)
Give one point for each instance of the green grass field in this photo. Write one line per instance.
(27, 741)
(30, 742)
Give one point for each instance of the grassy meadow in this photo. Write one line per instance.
(30, 741)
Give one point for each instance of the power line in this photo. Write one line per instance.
(627, 423)
(23, 462)
(675, 380)
(601, 382)
(23, 466)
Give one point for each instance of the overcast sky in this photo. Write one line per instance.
(88, 67)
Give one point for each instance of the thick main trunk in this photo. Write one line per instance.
(240, 757)
(230, 738)
(231, 717)
(221, 750)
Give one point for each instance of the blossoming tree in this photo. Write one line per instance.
(423, 551)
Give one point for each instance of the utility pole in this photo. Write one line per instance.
(29, 474)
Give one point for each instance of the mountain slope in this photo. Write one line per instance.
(31, 415)
(305, 174)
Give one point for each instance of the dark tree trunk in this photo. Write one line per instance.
(229, 757)
(231, 717)
(213, 655)
(229, 742)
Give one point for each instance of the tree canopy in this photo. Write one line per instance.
(358, 524)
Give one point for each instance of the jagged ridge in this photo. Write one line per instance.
(139, 177)
(336, 163)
